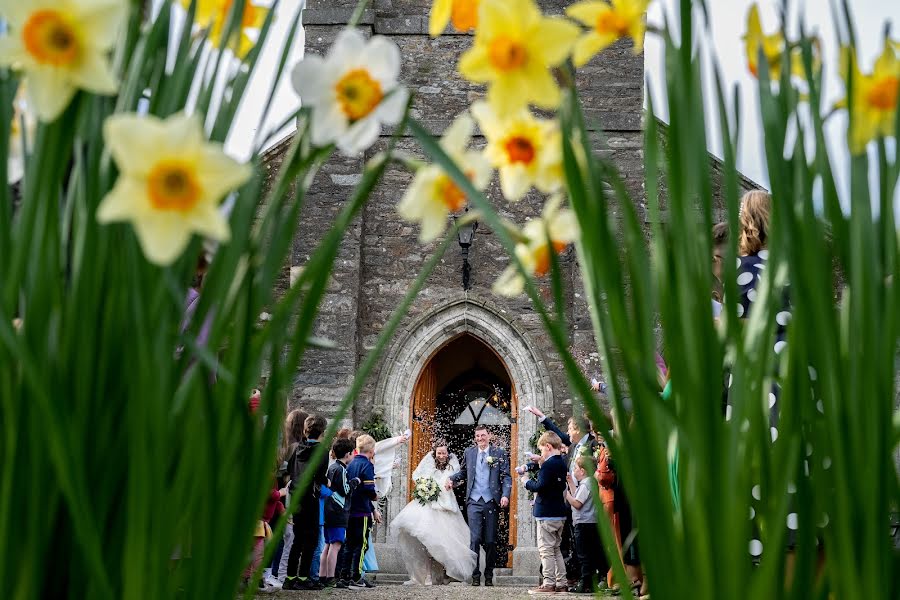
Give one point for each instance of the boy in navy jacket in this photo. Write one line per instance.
(361, 510)
(550, 512)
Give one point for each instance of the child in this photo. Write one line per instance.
(337, 509)
(584, 521)
(361, 509)
(306, 519)
(550, 513)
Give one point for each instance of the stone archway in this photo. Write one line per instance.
(394, 396)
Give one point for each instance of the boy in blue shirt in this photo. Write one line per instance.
(361, 511)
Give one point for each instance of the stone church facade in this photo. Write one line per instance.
(450, 333)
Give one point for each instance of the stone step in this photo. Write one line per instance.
(502, 577)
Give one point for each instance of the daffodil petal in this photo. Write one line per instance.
(588, 46)
(457, 136)
(209, 222)
(433, 222)
(163, 237)
(475, 66)
(391, 109)
(359, 136)
(218, 173)
(101, 21)
(348, 48)
(312, 80)
(543, 90)
(122, 202)
(95, 75)
(49, 92)
(514, 182)
(510, 283)
(328, 124)
(383, 60)
(556, 37)
(587, 12)
(440, 16)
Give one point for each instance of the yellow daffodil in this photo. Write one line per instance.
(462, 13)
(213, 14)
(432, 195)
(61, 46)
(352, 91)
(773, 48)
(557, 224)
(21, 136)
(514, 49)
(608, 22)
(526, 150)
(171, 182)
(875, 97)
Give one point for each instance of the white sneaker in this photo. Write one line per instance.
(273, 581)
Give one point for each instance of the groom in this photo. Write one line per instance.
(485, 469)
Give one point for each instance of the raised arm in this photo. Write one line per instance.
(551, 426)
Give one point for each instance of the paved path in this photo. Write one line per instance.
(402, 592)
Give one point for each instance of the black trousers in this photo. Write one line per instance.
(589, 548)
(483, 516)
(355, 548)
(306, 538)
(570, 554)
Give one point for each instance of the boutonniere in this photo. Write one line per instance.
(490, 460)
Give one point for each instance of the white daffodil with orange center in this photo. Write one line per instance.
(433, 195)
(214, 14)
(607, 23)
(875, 97)
(514, 49)
(552, 232)
(462, 13)
(61, 46)
(526, 150)
(352, 90)
(171, 182)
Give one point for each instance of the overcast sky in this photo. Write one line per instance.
(728, 23)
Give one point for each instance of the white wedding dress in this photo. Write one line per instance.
(434, 538)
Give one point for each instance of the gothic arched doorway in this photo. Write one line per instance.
(463, 384)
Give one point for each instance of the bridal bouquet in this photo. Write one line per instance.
(427, 490)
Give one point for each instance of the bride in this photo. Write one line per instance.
(434, 538)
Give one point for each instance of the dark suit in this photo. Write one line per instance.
(483, 505)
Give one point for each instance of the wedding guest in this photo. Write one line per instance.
(337, 509)
(306, 518)
(550, 513)
(580, 497)
(362, 513)
(579, 440)
(291, 439)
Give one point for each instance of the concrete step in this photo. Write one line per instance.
(502, 577)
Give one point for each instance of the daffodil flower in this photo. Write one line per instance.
(213, 14)
(21, 136)
(171, 182)
(514, 49)
(875, 97)
(350, 90)
(552, 232)
(432, 195)
(526, 150)
(608, 22)
(773, 48)
(462, 13)
(61, 46)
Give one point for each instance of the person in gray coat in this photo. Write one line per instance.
(485, 469)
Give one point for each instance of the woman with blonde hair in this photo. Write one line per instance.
(756, 208)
